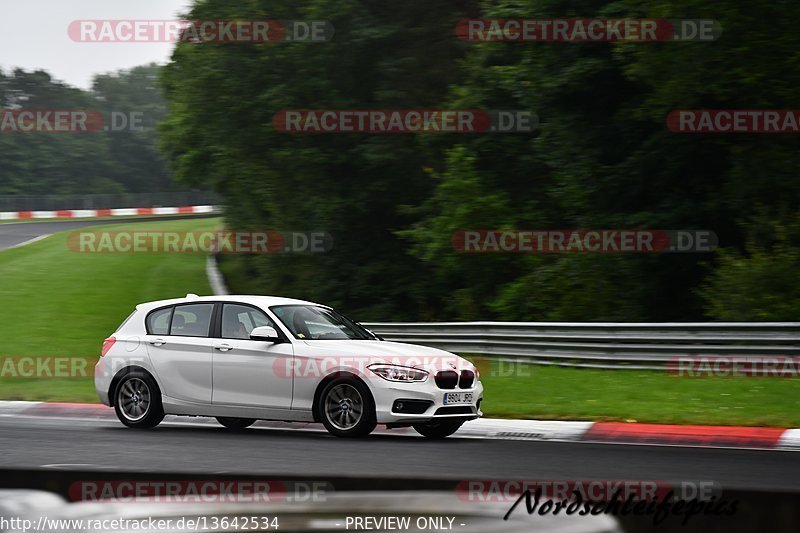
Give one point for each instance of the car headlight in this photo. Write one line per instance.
(398, 373)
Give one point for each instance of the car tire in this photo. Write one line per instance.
(346, 408)
(137, 401)
(236, 423)
(438, 429)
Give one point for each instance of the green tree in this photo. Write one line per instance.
(135, 95)
(80, 162)
(222, 100)
(602, 157)
(605, 159)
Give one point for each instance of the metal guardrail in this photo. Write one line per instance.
(601, 345)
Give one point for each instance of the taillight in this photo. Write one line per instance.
(107, 344)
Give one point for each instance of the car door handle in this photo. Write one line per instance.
(158, 342)
(223, 347)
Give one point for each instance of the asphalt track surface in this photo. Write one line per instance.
(185, 446)
(15, 233)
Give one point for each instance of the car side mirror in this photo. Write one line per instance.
(265, 333)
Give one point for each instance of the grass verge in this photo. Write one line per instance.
(56, 302)
(544, 392)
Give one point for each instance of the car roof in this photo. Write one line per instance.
(257, 300)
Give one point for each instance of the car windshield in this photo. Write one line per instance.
(311, 322)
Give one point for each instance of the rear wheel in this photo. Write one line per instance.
(236, 423)
(346, 408)
(137, 401)
(438, 429)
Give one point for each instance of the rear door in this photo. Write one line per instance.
(179, 346)
(247, 372)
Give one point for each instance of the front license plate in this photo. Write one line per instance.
(457, 397)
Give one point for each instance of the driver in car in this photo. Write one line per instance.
(232, 328)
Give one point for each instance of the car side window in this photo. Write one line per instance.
(192, 320)
(239, 320)
(158, 322)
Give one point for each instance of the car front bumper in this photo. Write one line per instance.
(386, 393)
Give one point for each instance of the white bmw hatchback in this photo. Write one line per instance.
(246, 358)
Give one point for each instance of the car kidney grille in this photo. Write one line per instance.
(446, 379)
(467, 379)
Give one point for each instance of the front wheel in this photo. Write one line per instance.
(138, 401)
(438, 429)
(346, 408)
(236, 423)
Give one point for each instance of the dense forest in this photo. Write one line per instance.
(602, 156)
(124, 158)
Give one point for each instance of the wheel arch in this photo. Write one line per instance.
(112, 388)
(340, 374)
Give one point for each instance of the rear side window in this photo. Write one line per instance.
(192, 320)
(158, 321)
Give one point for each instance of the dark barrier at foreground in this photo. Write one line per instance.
(754, 510)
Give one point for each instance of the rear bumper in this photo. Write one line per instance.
(102, 380)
